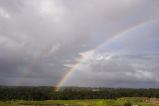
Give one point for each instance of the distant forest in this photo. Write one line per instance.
(66, 93)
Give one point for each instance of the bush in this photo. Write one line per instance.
(127, 104)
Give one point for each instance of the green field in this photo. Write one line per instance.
(96, 102)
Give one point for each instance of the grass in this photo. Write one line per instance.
(96, 102)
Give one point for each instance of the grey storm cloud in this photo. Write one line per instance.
(39, 38)
(116, 71)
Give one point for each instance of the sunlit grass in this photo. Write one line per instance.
(91, 102)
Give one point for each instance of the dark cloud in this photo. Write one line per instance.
(116, 71)
(38, 38)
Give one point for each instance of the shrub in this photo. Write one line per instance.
(127, 104)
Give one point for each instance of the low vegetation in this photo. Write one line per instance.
(75, 96)
(91, 102)
(72, 93)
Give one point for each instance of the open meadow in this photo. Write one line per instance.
(135, 101)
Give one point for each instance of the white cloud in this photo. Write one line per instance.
(113, 71)
(40, 37)
(4, 13)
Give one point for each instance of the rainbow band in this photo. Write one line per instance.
(116, 36)
(34, 62)
(67, 75)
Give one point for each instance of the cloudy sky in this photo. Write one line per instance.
(118, 41)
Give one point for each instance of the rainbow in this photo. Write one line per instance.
(114, 37)
(33, 62)
(67, 75)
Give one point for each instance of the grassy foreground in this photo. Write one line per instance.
(99, 102)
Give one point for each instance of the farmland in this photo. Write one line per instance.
(134, 101)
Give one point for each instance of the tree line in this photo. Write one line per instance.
(73, 93)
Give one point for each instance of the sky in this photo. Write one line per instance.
(114, 42)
